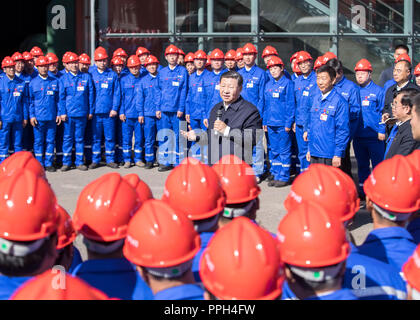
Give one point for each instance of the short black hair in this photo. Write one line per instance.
(402, 46)
(336, 64)
(408, 96)
(328, 69)
(407, 64)
(233, 75)
(416, 104)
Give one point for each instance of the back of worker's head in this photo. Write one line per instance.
(393, 192)
(336, 65)
(161, 241)
(28, 224)
(313, 247)
(103, 211)
(194, 189)
(240, 186)
(242, 261)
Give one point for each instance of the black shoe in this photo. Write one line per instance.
(93, 165)
(82, 167)
(280, 184)
(163, 168)
(149, 165)
(65, 168)
(271, 183)
(122, 163)
(112, 165)
(270, 177)
(50, 169)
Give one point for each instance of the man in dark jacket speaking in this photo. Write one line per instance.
(234, 123)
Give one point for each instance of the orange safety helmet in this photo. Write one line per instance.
(269, 51)
(36, 51)
(295, 68)
(133, 61)
(151, 59)
(71, 57)
(104, 208)
(200, 54)
(100, 54)
(141, 50)
(363, 65)
(403, 57)
(237, 178)
(194, 189)
(84, 59)
(143, 191)
(52, 57)
(42, 61)
(242, 262)
(21, 160)
(411, 270)
(249, 48)
(17, 56)
(27, 56)
(27, 207)
(65, 230)
(394, 185)
(318, 63)
(120, 53)
(217, 54)
(8, 62)
(189, 57)
(230, 55)
(303, 56)
(320, 184)
(294, 56)
(41, 288)
(181, 52)
(310, 237)
(328, 56)
(116, 60)
(417, 70)
(159, 237)
(239, 54)
(171, 49)
(274, 61)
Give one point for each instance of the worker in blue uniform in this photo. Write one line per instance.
(132, 120)
(173, 82)
(14, 109)
(368, 143)
(44, 114)
(149, 96)
(328, 124)
(392, 192)
(278, 116)
(253, 91)
(107, 102)
(76, 107)
(304, 85)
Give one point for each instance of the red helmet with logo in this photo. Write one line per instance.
(8, 62)
(141, 50)
(52, 57)
(249, 48)
(200, 54)
(189, 57)
(84, 59)
(116, 60)
(303, 56)
(17, 56)
(363, 65)
(133, 61)
(27, 56)
(230, 55)
(242, 262)
(239, 54)
(274, 61)
(269, 51)
(328, 56)
(171, 49)
(42, 61)
(294, 56)
(120, 53)
(417, 70)
(21, 160)
(100, 54)
(150, 60)
(194, 189)
(295, 68)
(318, 62)
(403, 57)
(65, 230)
(36, 52)
(217, 54)
(71, 57)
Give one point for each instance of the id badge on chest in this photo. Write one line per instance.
(323, 117)
(217, 87)
(365, 103)
(80, 88)
(250, 85)
(175, 84)
(305, 93)
(50, 93)
(200, 89)
(276, 94)
(16, 94)
(104, 85)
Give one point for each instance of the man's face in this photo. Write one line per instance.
(181, 60)
(10, 71)
(305, 67)
(124, 60)
(29, 64)
(363, 77)
(135, 71)
(266, 58)
(418, 80)
(230, 64)
(240, 63)
(415, 123)
(398, 52)
(399, 111)
(117, 68)
(172, 58)
(199, 63)
(101, 64)
(53, 67)
(229, 90)
(66, 66)
(190, 67)
(324, 82)
(249, 59)
(83, 67)
(152, 68)
(276, 71)
(43, 70)
(20, 66)
(216, 64)
(401, 72)
(73, 66)
(143, 58)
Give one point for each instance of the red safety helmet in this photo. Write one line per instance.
(189, 57)
(242, 262)
(17, 56)
(194, 189)
(239, 54)
(42, 61)
(181, 52)
(318, 63)
(269, 51)
(411, 270)
(294, 56)
(150, 60)
(141, 50)
(158, 237)
(394, 185)
(65, 230)
(363, 65)
(143, 191)
(310, 237)
(52, 57)
(321, 184)
(115, 61)
(217, 54)
(417, 70)
(200, 54)
(328, 56)
(295, 68)
(230, 55)
(8, 62)
(104, 208)
(21, 160)
(171, 49)
(36, 52)
(208, 63)
(237, 178)
(65, 57)
(71, 57)
(41, 288)
(348, 183)
(120, 53)
(133, 61)
(249, 48)
(27, 56)
(27, 207)
(274, 61)
(84, 59)
(303, 56)
(100, 54)
(403, 57)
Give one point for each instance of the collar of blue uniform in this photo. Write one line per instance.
(206, 225)
(172, 271)
(390, 215)
(17, 249)
(102, 248)
(317, 274)
(238, 212)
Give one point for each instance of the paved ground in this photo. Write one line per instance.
(68, 185)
